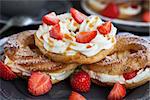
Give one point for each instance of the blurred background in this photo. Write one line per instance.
(127, 15)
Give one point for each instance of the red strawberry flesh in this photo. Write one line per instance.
(117, 93)
(130, 75)
(5, 72)
(105, 28)
(134, 6)
(39, 83)
(77, 15)
(55, 32)
(50, 19)
(76, 96)
(85, 37)
(146, 16)
(111, 11)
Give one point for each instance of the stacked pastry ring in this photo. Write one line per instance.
(23, 57)
(128, 63)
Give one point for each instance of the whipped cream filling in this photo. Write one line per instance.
(69, 22)
(61, 76)
(42, 30)
(69, 46)
(130, 11)
(141, 75)
(18, 69)
(53, 45)
(90, 23)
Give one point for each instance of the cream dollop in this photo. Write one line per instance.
(61, 76)
(69, 22)
(53, 45)
(100, 42)
(90, 23)
(68, 45)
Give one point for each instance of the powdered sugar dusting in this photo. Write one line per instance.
(12, 42)
(131, 38)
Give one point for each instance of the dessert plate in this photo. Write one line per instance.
(17, 89)
(128, 25)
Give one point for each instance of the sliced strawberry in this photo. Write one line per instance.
(55, 32)
(85, 37)
(117, 93)
(80, 81)
(105, 28)
(134, 6)
(50, 19)
(76, 96)
(39, 83)
(146, 16)
(111, 11)
(130, 75)
(78, 16)
(5, 72)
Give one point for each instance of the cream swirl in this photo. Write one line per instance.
(68, 45)
(90, 23)
(100, 42)
(69, 22)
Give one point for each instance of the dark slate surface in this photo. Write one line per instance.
(17, 90)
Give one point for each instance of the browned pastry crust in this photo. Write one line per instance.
(119, 62)
(22, 52)
(78, 58)
(127, 86)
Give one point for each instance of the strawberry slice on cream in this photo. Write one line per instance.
(50, 19)
(85, 37)
(55, 32)
(78, 16)
(104, 28)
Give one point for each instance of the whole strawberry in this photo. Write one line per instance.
(80, 81)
